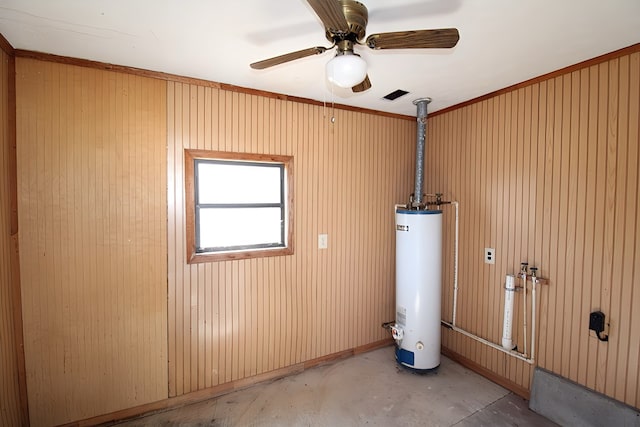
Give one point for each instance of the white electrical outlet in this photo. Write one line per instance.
(489, 256)
(323, 241)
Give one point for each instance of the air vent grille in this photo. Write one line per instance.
(395, 94)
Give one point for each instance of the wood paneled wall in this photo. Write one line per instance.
(548, 173)
(234, 319)
(9, 392)
(92, 212)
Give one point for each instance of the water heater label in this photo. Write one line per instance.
(401, 316)
(402, 227)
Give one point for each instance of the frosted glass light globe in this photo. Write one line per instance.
(346, 70)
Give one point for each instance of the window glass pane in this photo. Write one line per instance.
(239, 227)
(238, 183)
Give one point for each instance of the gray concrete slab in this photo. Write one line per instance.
(571, 404)
(508, 411)
(368, 389)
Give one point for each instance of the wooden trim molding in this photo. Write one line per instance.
(13, 149)
(17, 324)
(191, 80)
(470, 364)
(15, 247)
(226, 388)
(569, 69)
(6, 46)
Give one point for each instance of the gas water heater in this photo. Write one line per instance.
(418, 270)
(418, 287)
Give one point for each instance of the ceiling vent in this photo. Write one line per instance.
(395, 94)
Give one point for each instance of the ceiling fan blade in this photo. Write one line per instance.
(364, 85)
(261, 65)
(331, 14)
(420, 39)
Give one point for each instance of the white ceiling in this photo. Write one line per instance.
(502, 42)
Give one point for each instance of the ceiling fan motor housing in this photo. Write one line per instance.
(357, 17)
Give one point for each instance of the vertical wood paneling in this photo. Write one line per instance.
(247, 317)
(632, 366)
(9, 392)
(92, 203)
(548, 173)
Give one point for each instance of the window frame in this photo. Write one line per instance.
(190, 157)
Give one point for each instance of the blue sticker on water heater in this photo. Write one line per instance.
(405, 357)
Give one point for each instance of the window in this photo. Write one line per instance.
(238, 205)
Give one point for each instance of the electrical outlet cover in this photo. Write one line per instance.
(489, 256)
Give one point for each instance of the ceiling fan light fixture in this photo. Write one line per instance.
(346, 69)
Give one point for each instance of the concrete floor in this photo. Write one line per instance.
(368, 389)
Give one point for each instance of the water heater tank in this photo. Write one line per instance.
(418, 288)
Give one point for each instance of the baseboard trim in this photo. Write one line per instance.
(222, 389)
(476, 367)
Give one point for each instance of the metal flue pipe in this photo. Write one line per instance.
(421, 103)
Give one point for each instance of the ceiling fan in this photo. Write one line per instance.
(345, 23)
